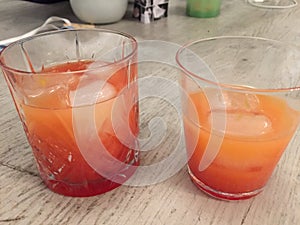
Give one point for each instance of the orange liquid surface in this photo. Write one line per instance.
(48, 120)
(258, 128)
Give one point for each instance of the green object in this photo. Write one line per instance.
(203, 8)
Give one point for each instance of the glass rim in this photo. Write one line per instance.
(228, 85)
(27, 73)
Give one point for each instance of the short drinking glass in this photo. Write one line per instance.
(76, 95)
(241, 112)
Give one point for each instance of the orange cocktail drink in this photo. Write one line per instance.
(238, 115)
(71, 107)
(251, 143)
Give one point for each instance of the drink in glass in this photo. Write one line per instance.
(70, 88)
(239, 111)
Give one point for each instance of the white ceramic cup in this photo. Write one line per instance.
(99, 11)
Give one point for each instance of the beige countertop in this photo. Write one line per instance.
(25, 200)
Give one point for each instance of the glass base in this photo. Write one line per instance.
(81, 190)
(219, 194)
(88, 188)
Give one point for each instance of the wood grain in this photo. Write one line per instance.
(24, 200)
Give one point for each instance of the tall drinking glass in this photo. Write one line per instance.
(241, 111)
(76, 95)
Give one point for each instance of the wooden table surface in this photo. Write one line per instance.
(25, 200)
